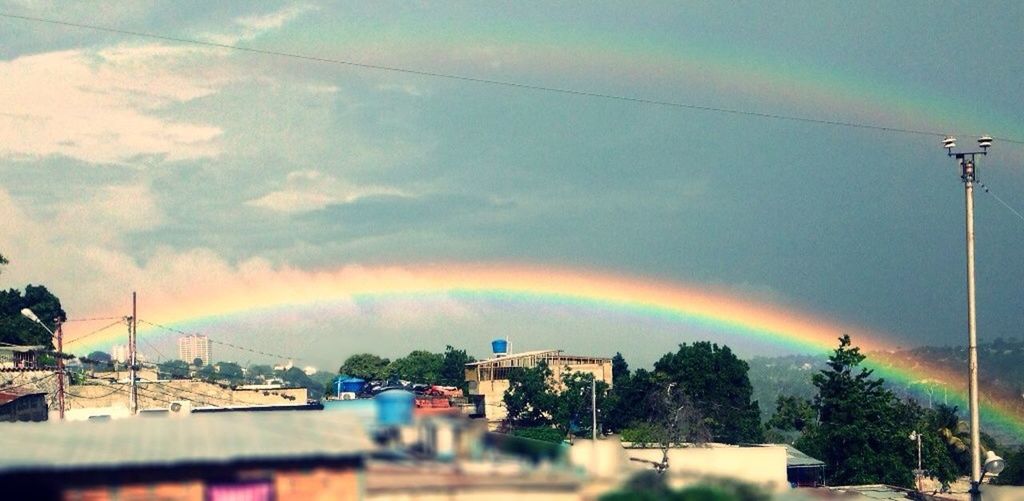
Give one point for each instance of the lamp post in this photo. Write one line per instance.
(919, 472)
(29, 314)
(968, 174)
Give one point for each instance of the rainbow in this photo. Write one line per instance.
(576, 56)
(714, 310)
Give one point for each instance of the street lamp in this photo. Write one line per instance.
(993, 464)
(968, 174)
(29, 314)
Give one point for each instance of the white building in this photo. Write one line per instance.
(119, 353)
(194, 346)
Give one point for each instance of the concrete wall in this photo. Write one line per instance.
(494, 390)
(762, 466)
(83, 399)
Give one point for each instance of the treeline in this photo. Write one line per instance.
(419, 366)
(863, 431)
(700, 393)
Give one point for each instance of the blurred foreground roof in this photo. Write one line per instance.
(200, 439)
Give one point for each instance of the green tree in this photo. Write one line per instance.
(792, 414)
(197, 362)
(529, 399)
(863, 434)
(260, 373)
(366, 366)
(620, 369)
(296, 378)
(574, 404)
(627, 402)
(716, 382)
(1013, 474)
(230, 371)
(16, 329)
(453, 367)
(418, 366)
(174, 369)
(207, 373)
(99, 357)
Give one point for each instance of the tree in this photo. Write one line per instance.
(627, 403)
(453, 367)
(295, 377)
(418, 366)
(207, 372)
(1013, 474)
(260, 373)
(716, 382)
(792, 414)
(230, 371)
(197, 362)
(673, 419)
(16, 329)
(620, 369)
(175, 369)
(863, 434)
(529, 399)
(99, 357)
(574, 404)
(366, 366)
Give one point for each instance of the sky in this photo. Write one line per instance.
(131, 163)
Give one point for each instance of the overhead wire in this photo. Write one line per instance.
(120, 321)
(986, 188)
(494, 82)
(222, 343)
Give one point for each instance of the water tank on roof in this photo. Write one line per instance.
(394, 407)
(499, 347)
(353, 385)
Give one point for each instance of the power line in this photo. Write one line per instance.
(97, 331)
(90, 319)
(1000, 200)
(222, 343)
(501, 83)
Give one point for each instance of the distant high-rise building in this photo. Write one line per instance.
(194, 346)
(119, 353)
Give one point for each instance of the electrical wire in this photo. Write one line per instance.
(1000, 200)
(97, 331)
(120, 387)
(222, 343)
(494, 82)
(91, 319)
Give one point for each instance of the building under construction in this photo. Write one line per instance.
(489, 378)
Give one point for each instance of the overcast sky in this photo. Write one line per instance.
(131, 163)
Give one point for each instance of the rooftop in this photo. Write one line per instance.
(539, 355)
(195, 440)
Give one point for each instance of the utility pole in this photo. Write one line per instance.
(968, 174)
(60, 367)
(593, 408)
(132, 335)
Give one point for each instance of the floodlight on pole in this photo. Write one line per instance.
(993, 464)
(968, 174)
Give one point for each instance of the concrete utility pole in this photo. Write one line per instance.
(132, 335)
(969, 175)
(60, 367)
(593, 408)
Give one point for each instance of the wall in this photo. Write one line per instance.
(81, 399)
(764, 466)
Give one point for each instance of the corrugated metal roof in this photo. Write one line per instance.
(8, 396)
(192, 440)
(796, 458)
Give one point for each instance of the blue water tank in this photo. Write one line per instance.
(353, 384)
(394, 407)
(499, 346)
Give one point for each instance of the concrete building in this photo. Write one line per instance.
(489, 378)
(119, 353)
(253, 456)
(194, 346)
(22, 405)
(19, 357)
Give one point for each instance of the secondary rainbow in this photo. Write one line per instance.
(715, 310)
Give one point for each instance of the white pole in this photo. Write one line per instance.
(593, 408)
(972, 333)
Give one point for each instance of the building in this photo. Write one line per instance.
(194, 346)
(19, 357)
(119, 353)
(23, 405)
(489, 378)
(252, 456)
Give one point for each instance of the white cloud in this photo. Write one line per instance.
(309, 190)
(253, 26)
(105, 107)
